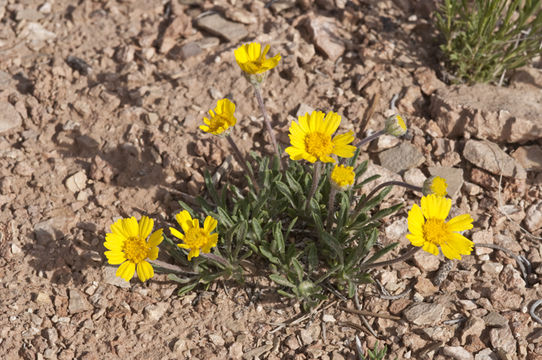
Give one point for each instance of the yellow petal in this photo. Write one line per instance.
(126, 270)
(415, 220)
(450, 252)
(176, 233)
(193, 253)
(185, 220)
(156, 238)
(460, 223)
(115, 257)
(144, 271)
(145, 227)
(153, 253)
(210, 224)
(332, 122)
(461, 244)
(117, 228)
(304, 122)
(114, 241)
(430, 248)
(415, 239)
(131, 227)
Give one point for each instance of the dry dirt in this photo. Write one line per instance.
(110, 101)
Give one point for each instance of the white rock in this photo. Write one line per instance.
(533, 217)
(156, 311)
(457, 352)
(10, 117)
(415, 177)
(77, 181)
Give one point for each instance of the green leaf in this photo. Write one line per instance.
(380, 253)
(186, 289)
(298, 269)
(265, 252)
(277, 243)
(175, 278)
(281, 280)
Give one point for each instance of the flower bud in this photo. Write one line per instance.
(435, 185)
(342, 177)
(395, 125)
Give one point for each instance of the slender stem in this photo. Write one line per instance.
(170, 267)
(315, 180)
(389, 183)
(331, 207)
(242, 161)
(370, 138)
(403, 257)
(267, 122)
(216, 258)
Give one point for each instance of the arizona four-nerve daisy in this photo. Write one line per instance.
(195, 239)
(221, 119)
(429, 229)
(128, 247)
(252, 61)
(342, 177)
(311, 138)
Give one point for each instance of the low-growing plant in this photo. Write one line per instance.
(311, 231)
(482, 39)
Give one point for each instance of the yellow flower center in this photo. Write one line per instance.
(435, 231)
(195, 238)
(136, 249)
(318, 144)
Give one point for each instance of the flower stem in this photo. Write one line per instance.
(267, 122)
(403, 257)
(242, 161)
(315, 180)
(173, 268)
(389, 183)
(371, 138)
(216, 258)
(330, 207)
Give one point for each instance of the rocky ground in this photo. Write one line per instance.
(101, 103)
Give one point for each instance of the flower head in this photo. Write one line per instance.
(429, 229)
(195, 238)
(395, 125)
(342, 177)
(435, 185)
(252, 60)
(221, 119)
(311, 138)
(128, 247)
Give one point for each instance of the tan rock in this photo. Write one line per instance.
(488, 112)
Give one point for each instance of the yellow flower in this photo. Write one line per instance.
(342, 176)
(435, 185)
(252, 61)
(395, 125)
(195, 238)
(221, 119)
(311, 138)
(433, 231)
(128, 247)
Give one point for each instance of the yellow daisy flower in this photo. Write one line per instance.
(435, 185)
(128, 247)
(342, 177)
(252, 61)
(429, 229)
(395, 125)
(311, 138)
(195, 238)
(221, 119)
